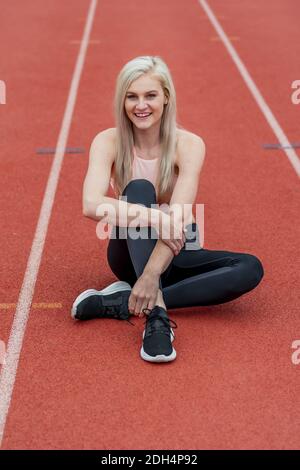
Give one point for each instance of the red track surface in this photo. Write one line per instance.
(84, 386)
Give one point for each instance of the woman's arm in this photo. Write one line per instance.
(95, 204)
(191, 158)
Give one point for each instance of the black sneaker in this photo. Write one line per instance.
(158, 336)
(111, 302)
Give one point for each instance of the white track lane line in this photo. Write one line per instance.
(14, 346)
(274, 124)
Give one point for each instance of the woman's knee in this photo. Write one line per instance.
(140, 191)
(252, 269)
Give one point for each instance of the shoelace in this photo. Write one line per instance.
(167, 322)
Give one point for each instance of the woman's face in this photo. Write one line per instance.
(145, 96)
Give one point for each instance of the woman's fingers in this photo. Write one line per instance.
(144, 305)
(138, 307)
(140, 301)
(178, 246)
(151, 303)
(173, 245)
(175, 249)
(132, 304)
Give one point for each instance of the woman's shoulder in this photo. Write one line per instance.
(183, 135)
(186, 140)
(186, 137)
(106, 140)
(108, 134)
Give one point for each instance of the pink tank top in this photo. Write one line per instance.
(145, 169)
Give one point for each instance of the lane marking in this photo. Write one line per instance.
(2, 92)
(2, 353)
(278, 146)
(7, 306)
(273, 123)
(41, 305)
(14, 346)
(51, 150)
(91, 42)
(231, 38)
(204, 17)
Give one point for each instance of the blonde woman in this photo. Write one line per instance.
(154, 165)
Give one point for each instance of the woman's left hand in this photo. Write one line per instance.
(144, 293)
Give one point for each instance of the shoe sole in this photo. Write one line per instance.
(172, 336)
(159, 357)
(115, 287)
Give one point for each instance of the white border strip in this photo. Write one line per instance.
(282, 138)
(14, 346)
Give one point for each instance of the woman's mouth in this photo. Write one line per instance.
(142, 115)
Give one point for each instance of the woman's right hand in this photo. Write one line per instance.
(171, 233)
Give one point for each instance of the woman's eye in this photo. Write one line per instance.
(131, 96)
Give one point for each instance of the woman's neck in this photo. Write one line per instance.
(149, 154)
(147, 141)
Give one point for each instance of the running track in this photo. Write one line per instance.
(84, 386)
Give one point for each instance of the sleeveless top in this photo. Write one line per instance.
(145, 169)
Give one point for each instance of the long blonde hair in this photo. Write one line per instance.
(131, 71)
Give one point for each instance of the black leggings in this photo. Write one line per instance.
(194, 277)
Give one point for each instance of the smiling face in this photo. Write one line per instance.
(145, 97)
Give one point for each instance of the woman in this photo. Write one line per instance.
(149, 160)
